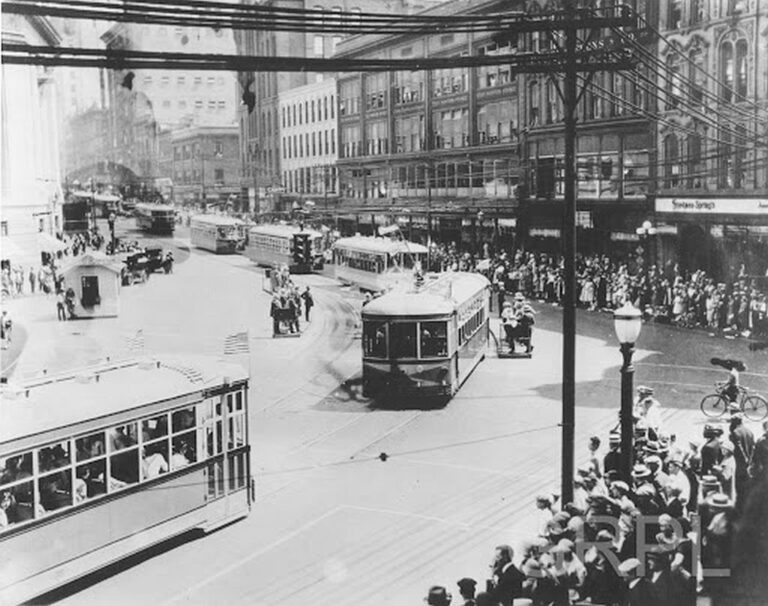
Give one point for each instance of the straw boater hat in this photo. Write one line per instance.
(720, 501)
(709, 481)
(629, 567)
(640, 472)
(644, 390)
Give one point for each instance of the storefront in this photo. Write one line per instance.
(717, 234)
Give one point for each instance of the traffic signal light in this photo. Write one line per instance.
(302, 249)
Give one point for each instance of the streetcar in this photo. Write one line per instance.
(155, 218)
(219, 234)
(102, 463)
(425, 340)
(375, 263)
(76, 213)
(277, 245)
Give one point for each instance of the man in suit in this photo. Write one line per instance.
(758, 468)
(638, 590)
(711, 454)
(508, 580)
(612, 459)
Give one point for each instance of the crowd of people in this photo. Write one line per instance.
(658, 538)
(287, 303)
(736, 307)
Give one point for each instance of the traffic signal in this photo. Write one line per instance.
(302, 249)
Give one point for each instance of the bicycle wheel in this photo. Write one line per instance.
(755, 408)
(714, 405)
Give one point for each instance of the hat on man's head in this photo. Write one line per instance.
(652, 447)
(555, 529)
(614, 437)
(646, 490)
(641, 472)
(644, 390)
(437, 596)
(710, 431)
(543, 498)
(620, 485)
(709, 481)
(629, 566)
(653, 460)
(466, 584)
(719, 500)
(562, 517)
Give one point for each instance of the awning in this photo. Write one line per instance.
(48, 243)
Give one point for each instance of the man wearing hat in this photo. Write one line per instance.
(543, 513)
(612, 459)
(743, 441)
(638, 588)
(467, 591)
(758, 469)
(711, 454)
(438, 596)
(507, 579)
(659, 577)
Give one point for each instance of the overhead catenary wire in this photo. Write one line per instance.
(662, 67)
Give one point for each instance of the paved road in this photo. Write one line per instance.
(334, 524)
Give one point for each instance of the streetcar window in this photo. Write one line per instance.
(154, 428)
(434, 339)
(122, 436)
(89, 480)
(55, 491)
(54, 457)
(183, 419)
(184, 450)
(15, 468)
(123, 469)
(18, 502)
(154, 459)
(90, 446)
(402, 339)
(375, 339)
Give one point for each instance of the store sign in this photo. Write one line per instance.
(734, 206)
(537, 232)
(618, 236)
(667, 230)
(508, 222)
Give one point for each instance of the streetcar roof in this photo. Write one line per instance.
(380, 245)
(441, 294)
(282, 230)
(216, 220)
(150, 206)
(53, 402)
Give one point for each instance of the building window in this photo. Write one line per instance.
(671, 162)
(726, 71)
(147, 80)
(694, 164)
(166, 103)
(198, 80)
(218, 175)
(319, 46)
(181, 80)
(198, 104)
(3, 228)
(674, 82)
(182, 104)
(696, 76)
(211, 80)
(165, 80)
(675, 14)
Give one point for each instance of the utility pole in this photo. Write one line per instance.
(569, 255)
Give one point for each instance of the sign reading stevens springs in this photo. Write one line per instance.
(734, 206)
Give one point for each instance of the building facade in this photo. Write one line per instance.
(262, 173)
(144, 102)
(205, 164)
(308, 143)
(31, 174)
(713, 190)
(438, 152)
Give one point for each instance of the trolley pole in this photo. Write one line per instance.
(569, 254)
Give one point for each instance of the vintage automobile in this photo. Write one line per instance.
(136, 269)
(155, 259)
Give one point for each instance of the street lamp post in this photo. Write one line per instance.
(627, 322)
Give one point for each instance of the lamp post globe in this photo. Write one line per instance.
(627, 322)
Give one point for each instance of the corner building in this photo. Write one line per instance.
(713, 192)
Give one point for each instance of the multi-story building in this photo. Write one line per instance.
(260, 129)
(31, 187)
(711, 136)
(144, 101)
(86, 146)
(308, 142)
(438, 151)
(205, 164)
(615, 147)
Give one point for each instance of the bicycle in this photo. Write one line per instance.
(753, 405)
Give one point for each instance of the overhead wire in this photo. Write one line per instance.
(685, 80)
